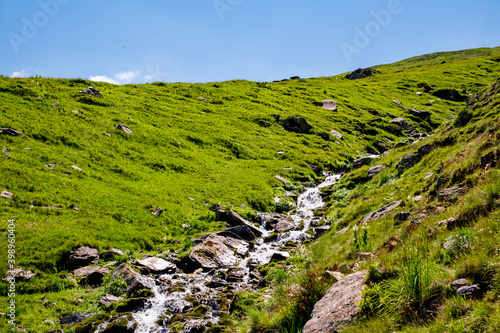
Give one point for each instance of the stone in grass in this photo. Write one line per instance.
(457, 284)
(6, 195)
(330, 105)
(375, 170)
(124, 128)
(471, 291)
(380, 212)
(108, 299)
(401, 216)
(74, 318)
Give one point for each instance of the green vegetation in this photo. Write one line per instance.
(188, 153)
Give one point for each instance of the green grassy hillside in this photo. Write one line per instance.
(194, 145)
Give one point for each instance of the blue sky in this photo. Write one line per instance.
(215, 40)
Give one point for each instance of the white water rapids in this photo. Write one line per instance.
(164, 304)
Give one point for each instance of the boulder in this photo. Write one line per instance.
(83, 256)
(457, 284)
(124, 128)
(240, 232)
(420, 113)
(95, 278)
(93, 92)
(380, 212)
(365, 255)
(471, 291)
(10, 131)
(281, 179)
(20, 273)
(284, 225)
(6, 195)
(112, 253)
(449, 193)
(397, 102)
(157, 212)
(134, 280)
(156, 265)
(84, 271)
(325, 136)
(490, 158)
(362, 161)
(329, 105)
(296, 124)
(217, 251)
(375, 170)
(418, 198)
(450, 95)
(339, 306)
(278, 256)
(360, 73)
(337, 134)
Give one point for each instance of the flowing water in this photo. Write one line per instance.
(166, 303)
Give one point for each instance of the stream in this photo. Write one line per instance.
(173, 294)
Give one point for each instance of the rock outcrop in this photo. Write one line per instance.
(296, 124)
(339, 306)
(217, 251)
(330, 105)
(360, 73)
(380, 212)
(93, 92)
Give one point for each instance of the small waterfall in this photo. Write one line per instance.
(171, 290)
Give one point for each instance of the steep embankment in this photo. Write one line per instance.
(77, 180)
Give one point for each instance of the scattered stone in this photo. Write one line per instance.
(51, 166)
(397, 102)
(333, 276)
(418, 93)
(381, 147)
(76, 112)
(450, 223)
(54, 104)
(112, 253)
(362, 161)
(157, 212)
(340, 232)
(471, 291)
(345, 269)
(76, 168)
(457, 284)
(124, 128)
(296, 124)
(420, 113)
(204, 99)
(490, 159)
(95, 278)
(337, 134)
(375, 170)
(108, 135)
(449, 193)
(392, 242)
(10, 131)
(281, 179)
(401, 216)
(157, 265)
(339, 306)
(418, 198)
(329, 105)
(380, 212)
(84, 271)
(365, 255)
(284, 225)
(108, 299)
(360, 73)
(83, 256)
(6, 195)
(277, 257)
(93, 92)
(6, 151)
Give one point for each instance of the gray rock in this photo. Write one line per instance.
(20, 273)
(375, 170)
(281, 179)
(84, 271)
(469, 291)
(284, 225)
(420, 113)
(111, 253)
(330, 105)
(108, 299)
(365, 255)
(325, 136)
(360, 73)
(93, 92)
(217, 252)
(6, 195)
(380, 212)
(10, 131)
(134, 280)
(124, 128)
(157, 265)
(449, 193)
(337, 134)
(397, 102)
(339, 306)
(362, 161)
(450, 95)
(457, 284)
(83, 256)
(74, 318)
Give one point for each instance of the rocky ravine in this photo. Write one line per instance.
(195, 293)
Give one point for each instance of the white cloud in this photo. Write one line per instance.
(127, 77)
(102, 78)
(149, 78)
(119, 78)
(21, 73)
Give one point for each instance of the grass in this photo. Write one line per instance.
(187, 154)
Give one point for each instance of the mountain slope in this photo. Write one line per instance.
(194, 145)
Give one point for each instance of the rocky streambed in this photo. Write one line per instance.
(194, 294)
